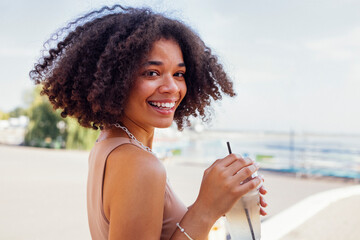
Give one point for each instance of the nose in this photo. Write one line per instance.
(169, 85)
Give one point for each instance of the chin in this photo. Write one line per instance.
(164, 124)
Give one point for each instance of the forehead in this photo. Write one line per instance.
(166, 49)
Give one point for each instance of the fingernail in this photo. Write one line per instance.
(262, 177)
(248, 159)
(253, 169)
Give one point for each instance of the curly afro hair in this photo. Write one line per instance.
(89, 72)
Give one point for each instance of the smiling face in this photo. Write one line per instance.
(159, 87)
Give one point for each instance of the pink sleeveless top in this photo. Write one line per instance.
(174, 209)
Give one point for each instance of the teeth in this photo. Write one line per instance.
(163, 105)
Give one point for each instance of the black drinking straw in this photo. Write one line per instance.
(246, 210)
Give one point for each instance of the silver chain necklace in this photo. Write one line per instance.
(131, 136)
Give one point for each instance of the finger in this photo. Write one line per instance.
(229, 159)
(262, 190)
(262, 212)
(246, 172)
(224, 162)
(262, 177)
(263, 203)
(238, 164)
(248, 186)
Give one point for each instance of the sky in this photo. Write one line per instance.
(295, 64)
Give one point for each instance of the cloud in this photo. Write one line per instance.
(17, 52)
(352, 84)
(247, 75)
(342, 47)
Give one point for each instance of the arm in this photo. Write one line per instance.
(134, 189)
(220, 189)
(133, 195)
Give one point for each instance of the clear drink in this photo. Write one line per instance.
(243, 220)
(237, 218)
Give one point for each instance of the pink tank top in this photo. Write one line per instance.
(174, 209)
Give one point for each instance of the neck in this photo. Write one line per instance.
(145, 136)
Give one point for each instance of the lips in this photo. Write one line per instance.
(163, 105)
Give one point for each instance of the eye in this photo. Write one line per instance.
(151, 73)
(180, 74)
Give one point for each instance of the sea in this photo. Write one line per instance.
(308, 154)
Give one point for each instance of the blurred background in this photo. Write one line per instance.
(296, 70)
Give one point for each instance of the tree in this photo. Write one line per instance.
(48, 129)
(78, 137)
(4, 116)
(17, 112)
(42, 128)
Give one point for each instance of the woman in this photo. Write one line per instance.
(128, 71)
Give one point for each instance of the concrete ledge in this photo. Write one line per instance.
(281, 224)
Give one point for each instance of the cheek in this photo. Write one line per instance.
(142, 91)
(183, 90)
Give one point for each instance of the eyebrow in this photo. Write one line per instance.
(158, 63)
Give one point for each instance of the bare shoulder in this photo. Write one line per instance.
(133, 179)
(132, 159)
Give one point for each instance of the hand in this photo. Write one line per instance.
(263, 203)
(221, 188)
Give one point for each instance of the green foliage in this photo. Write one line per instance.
(4, 116)
(42, 128)
(79, 137)
(262, 158)
(17, 112)
(48, 129)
